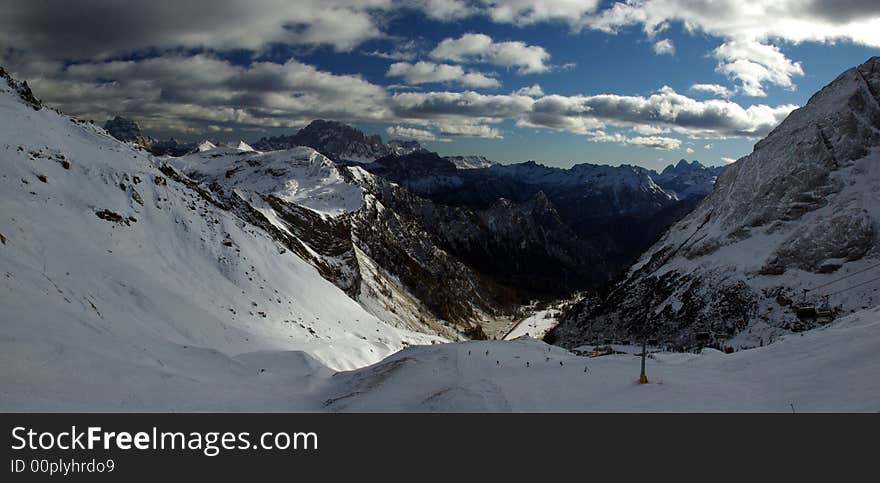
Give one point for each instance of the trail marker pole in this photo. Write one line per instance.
(643, 379)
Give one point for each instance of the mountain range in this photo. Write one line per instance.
(539, 232)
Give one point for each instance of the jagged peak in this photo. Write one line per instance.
(22, 89)
(833, 99)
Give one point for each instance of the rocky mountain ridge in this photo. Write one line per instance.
(791, 226)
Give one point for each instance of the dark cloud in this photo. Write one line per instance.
(844, 11)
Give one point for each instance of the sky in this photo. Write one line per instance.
(561, 82)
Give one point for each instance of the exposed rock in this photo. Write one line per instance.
(127, 131)
(338, 141)
(794, 215)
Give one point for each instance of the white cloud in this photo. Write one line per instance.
(524, 12)
(664, 47)
(412, 133)
(708, 147)
(748, 28)
(656, 142)
(713, 89)
(532, 91)
(426, 72)
(444, 9)
(526, 59)
(649, 129)
(689, 150)
(791, 20)
(404, 50)
(469, 130)
(754, 64)
(728, 160)
(710, 118)
(517, 12)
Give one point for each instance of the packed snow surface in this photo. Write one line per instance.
(829, 369)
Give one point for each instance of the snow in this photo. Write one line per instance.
(243, 146)
(154, 309)
(206, 146)
(535, 325)
(471, 162)
(829, 369)
(299, 175)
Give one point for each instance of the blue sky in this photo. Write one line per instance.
(616, 79)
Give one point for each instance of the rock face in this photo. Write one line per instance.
(339, 142)
(128, 131)
(799, 213)
(384, 246)
(542, 231)
(401, 147)
(22, 89)
(171, 147)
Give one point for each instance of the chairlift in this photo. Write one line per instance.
(824, 314)
(806, 312)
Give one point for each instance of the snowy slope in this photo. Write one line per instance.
(299, 175)
(362, 233)
(119, 279)
(829, 369)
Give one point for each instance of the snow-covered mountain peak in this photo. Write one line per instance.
(299, 175)
(471, 162)
(243, 146)
(206, 146)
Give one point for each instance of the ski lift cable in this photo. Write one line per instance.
(854, 286)
(842, 278)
